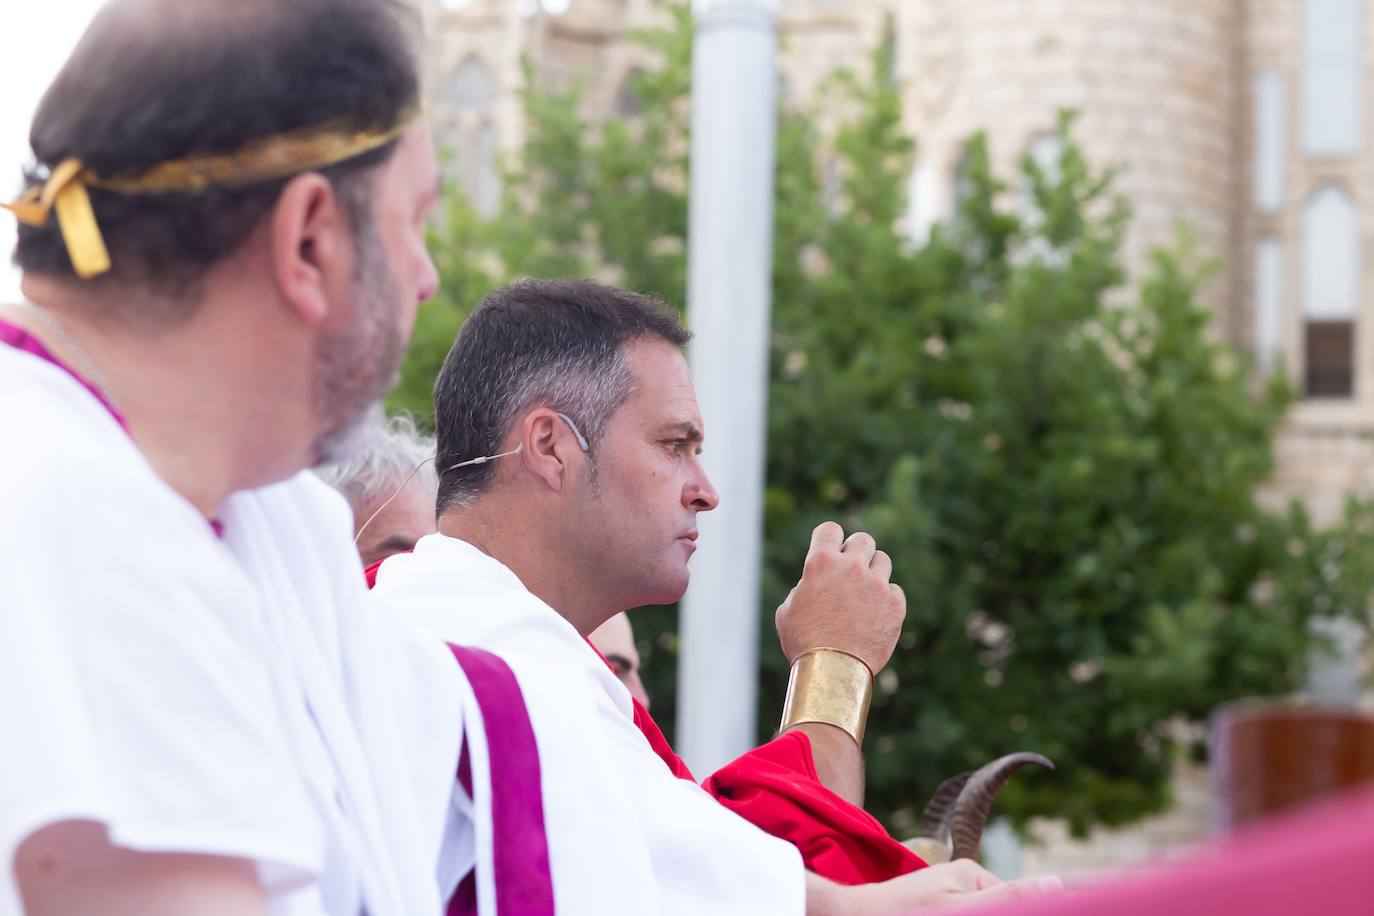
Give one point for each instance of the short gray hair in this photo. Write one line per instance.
(388, 451)
(558, 343)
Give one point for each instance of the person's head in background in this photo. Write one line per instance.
(390, 450)
(287, 291)
(615, 640)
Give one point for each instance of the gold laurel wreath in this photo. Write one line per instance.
(268, 159)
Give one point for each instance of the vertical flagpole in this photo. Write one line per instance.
(734, 86)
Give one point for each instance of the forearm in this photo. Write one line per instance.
(839, 762)
(71, 867)
(822, 896)
(825, 898)
(961, 883)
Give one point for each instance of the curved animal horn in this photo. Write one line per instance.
(969, 815)
(933, 841)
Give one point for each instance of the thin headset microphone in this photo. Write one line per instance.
(390, 499)
(581, 442)
(485, 458)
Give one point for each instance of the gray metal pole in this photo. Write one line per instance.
(734, 87)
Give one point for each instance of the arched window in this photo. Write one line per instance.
(832, 185)
(1045, 149)
(1269, 303)
(923, 205)
(472, 135)
(1332, 77)
(1271, 141)
(529, 8)
(1044, 152)
(628, 105)
(960, 184)
(471, 87)
(484, 186)
(1330, 291)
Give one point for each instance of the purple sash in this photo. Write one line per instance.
(520, 851)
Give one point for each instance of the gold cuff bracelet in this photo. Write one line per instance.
(830, 686)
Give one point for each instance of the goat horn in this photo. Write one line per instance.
(932, 841)
(969, 815)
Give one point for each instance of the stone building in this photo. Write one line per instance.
(1244, 119)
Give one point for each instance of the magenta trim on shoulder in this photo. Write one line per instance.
(520, 850)
(14, 336)
(22, 340)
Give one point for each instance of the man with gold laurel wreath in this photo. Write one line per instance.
(222, 247)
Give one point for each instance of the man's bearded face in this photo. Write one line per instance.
(358, 364)
(392, 275)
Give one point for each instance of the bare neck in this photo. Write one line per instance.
(521, 539)
(187, 392)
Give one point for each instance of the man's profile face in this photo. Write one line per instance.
(407, 191)
(615, 640)
(649, 484)
(392, 274)
(396, 528)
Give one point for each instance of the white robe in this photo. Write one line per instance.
(624, 834)
(194, 693)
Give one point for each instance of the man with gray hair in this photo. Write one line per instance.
(570, 482)
(390, 485)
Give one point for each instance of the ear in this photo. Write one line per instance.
(309, 246)
(549, 448)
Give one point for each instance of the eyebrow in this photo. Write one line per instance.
(395, 542)
(615, 658)
(687, 428)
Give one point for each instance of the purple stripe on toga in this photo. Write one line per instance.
(520, 849)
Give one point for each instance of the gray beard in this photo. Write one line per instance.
(355, 367)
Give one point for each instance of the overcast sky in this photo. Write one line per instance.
(39, 38)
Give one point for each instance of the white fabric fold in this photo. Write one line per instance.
(196, 694)
(624, 834)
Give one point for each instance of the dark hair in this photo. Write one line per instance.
(153, 81)
(558, 343)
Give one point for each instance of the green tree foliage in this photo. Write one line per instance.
(1062, 468)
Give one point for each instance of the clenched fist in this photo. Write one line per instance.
(845, 599)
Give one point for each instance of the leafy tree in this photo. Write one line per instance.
(1062, 468)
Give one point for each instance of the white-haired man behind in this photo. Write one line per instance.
(391, 485)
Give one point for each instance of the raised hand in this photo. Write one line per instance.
(845, 599)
